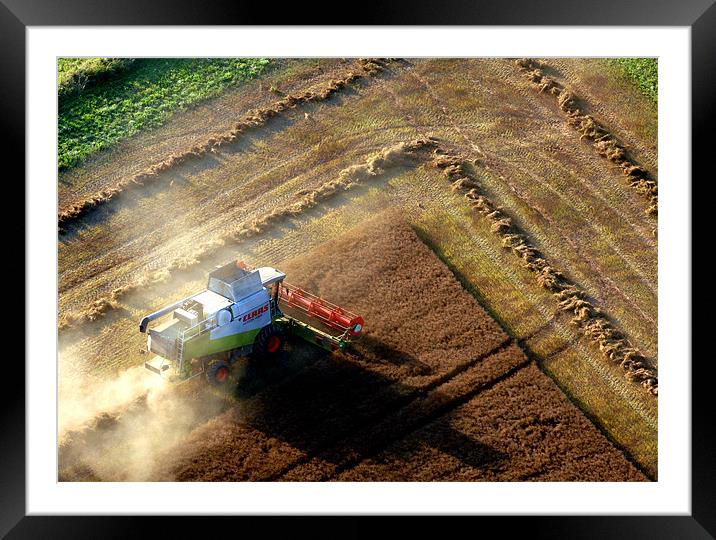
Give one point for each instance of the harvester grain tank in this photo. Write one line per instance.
(242, 312)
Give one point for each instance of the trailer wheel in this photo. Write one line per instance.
(269, 342)
(218, 373)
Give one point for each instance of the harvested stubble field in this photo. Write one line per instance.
(324, 166)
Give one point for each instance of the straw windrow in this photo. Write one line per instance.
(570, 298)
(399, 154)
(604, 142)
(256, 118)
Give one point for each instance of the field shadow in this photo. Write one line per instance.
(470, 451)
(329, 406)
(337, 408)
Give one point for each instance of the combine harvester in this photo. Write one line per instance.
(242, 312)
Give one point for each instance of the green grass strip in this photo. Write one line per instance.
(644, 72)
(76, 74)
(140, 97)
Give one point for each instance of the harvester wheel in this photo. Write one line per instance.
(269, 342)
(218, 373)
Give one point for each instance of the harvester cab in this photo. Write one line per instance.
(242, 312)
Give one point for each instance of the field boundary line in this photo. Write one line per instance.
(594, 324)
(365, 68)
(565, 333)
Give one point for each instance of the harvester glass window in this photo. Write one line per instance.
(273, 294)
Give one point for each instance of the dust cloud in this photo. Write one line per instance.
(118, 430)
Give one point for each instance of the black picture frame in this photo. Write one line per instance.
(699, 15)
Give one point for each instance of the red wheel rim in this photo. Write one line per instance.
(222, 374)
(273, 344)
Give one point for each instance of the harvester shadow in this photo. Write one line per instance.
(254, 377)
(392, 355)
(339, 409)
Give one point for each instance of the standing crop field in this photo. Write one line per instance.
(509, 292)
